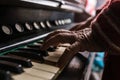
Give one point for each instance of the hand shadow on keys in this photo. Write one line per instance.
(74, 69)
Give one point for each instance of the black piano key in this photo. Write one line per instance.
(34, 46)
(38, 46)
(5, 75)
(41, 42)
(23, 61)
(29, 55)
(51, 48)
(35, 50)
(10, 66)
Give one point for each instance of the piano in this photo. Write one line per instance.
(23, 26)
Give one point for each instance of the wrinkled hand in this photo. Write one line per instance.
(63, 36)
(77, 39)
(59, 36)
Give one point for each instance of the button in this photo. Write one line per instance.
(67, 21)
(28, 26)
(48, 24)
(7, 30)
(63, 22)
(42, 25)
(19, 28)
(36, 26)
(56, 23)
(59, 22)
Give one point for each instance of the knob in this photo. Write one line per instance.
(42, 25)
(63, 22)
(59, 22)
(28, 26)
(19, 27)
(48, 24)
(7, 30)
(36, 25)
(67, 21)
(56, 22)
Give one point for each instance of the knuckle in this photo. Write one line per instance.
(60, 30)
(59, 35)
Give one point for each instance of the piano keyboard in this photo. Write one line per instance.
(29, 63)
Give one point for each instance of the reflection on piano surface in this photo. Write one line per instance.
(23, 25)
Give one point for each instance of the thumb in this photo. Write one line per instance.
(69, 54)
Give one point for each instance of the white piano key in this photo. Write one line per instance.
(40, 73)
(64, 45)
(54, 56)
(25, 77)
(45, 67)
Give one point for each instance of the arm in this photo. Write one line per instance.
(102, 35)
(82, 25)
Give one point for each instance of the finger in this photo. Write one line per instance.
(59, 38)
(53, 41)
(75, 28)
(56, 32)
(69, 54)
